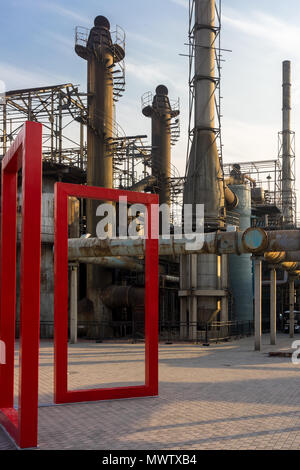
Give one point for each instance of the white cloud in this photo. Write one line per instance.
(66, 13)
(182, 3)
(285, 36)
(15, 77)
(60, 41)
(148, 73)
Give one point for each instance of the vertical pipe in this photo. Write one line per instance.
(273, 303)
(224, 300)
(287, 191)
(193, 299)
(183, 300)
(258, 297)
(292, 308)
(81, 144)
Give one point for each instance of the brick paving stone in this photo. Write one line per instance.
(223, 397)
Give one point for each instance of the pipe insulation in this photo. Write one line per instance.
(254, 240)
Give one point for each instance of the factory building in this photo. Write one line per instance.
(200, 295)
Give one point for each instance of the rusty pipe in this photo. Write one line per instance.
(254, 240)
(123, 296)
(280, 257)
(123, 263)
(232, 201)
(279, 283)
(290, 267)
(275, 258)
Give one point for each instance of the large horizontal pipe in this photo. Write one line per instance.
(288, 261)
(115, 263)
(290, 266)
(122, 263)
(280, 257)
(253, 240)
(144, 184)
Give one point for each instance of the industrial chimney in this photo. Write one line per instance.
(102, 55)
(205, 277)
(204, 175)
(161, 113)
(287, 156)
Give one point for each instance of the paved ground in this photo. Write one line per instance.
(223, 397)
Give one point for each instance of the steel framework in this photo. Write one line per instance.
(26, 154)
(291, 197)
(267, 175)
(60, 108)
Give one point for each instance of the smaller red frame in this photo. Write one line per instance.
(25, 153)
(61, 392)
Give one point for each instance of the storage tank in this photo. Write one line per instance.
(240, 267)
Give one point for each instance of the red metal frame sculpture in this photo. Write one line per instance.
(26, 154)
(61, 393)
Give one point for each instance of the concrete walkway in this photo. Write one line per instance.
(223, 397)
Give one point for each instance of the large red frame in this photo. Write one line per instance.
(61, 393)
(25, 153)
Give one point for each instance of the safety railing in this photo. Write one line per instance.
(169, 331)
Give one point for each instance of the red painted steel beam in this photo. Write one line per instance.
(26, 154)
(61, 392)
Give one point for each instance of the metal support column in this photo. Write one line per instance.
(183, 300)
(193, 298)
(258, 297)
(224, 286)
(273, 301)
(292, 308)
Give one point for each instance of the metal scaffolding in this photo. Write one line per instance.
(60, 108)
(267, 175)
(266, 181)
(291, 196)
(133, 169)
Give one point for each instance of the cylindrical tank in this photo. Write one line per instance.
(240, 267)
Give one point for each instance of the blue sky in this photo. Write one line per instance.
(37, 48)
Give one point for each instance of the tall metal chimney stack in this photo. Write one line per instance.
(287, 176)
(204, 174)
(161, 113)
(205, 277)
(101, 54)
